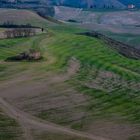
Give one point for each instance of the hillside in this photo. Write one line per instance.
(82, 89)
(25, 16)
(72, 3)
(94, 4)
(121, 25)
(135, 2)
(116, 4)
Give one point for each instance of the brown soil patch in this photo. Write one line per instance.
(109, 81)
(114, 131)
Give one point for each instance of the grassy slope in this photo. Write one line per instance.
(93, 54)
(9, 129)
(54, 136)
(95, 19)
(92, 51)
(25, 16)
(95, 57)
(127, 38)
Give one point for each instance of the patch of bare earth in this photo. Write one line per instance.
(47, 135)
(114, 131)
(109, 81)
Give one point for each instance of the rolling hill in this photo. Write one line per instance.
(135, 2)
(81, 90)
(94, 3)
(119, 4)
(73, 3)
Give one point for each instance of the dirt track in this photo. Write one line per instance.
(34, 93)
(27, 121)
(33, 122)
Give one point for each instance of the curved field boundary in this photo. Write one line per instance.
(124, 49)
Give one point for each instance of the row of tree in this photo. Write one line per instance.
(19, 32)
(104, 6)
(10, 24)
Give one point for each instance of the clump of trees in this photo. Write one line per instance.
(19, 32)
(72, 20)
(31, 55)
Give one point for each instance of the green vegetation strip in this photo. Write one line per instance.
(9, 129)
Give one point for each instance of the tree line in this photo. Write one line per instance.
(10, 24)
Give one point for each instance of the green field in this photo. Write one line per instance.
(95, 57)
(110, 80)
(129, 39)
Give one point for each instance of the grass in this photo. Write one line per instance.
(131, 39)
(9, 129)
(54, 136)
(121, 103)
(8, 47)
(94, 53)
(24, 16)
(61, 43)
(13, 47)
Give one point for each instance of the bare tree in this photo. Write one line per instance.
(19, 32)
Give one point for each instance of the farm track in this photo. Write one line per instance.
(28, 122)
(33, 122)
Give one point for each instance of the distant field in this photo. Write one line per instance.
(115, 22)
(130, 39)
(100, 17)
(25, 16)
